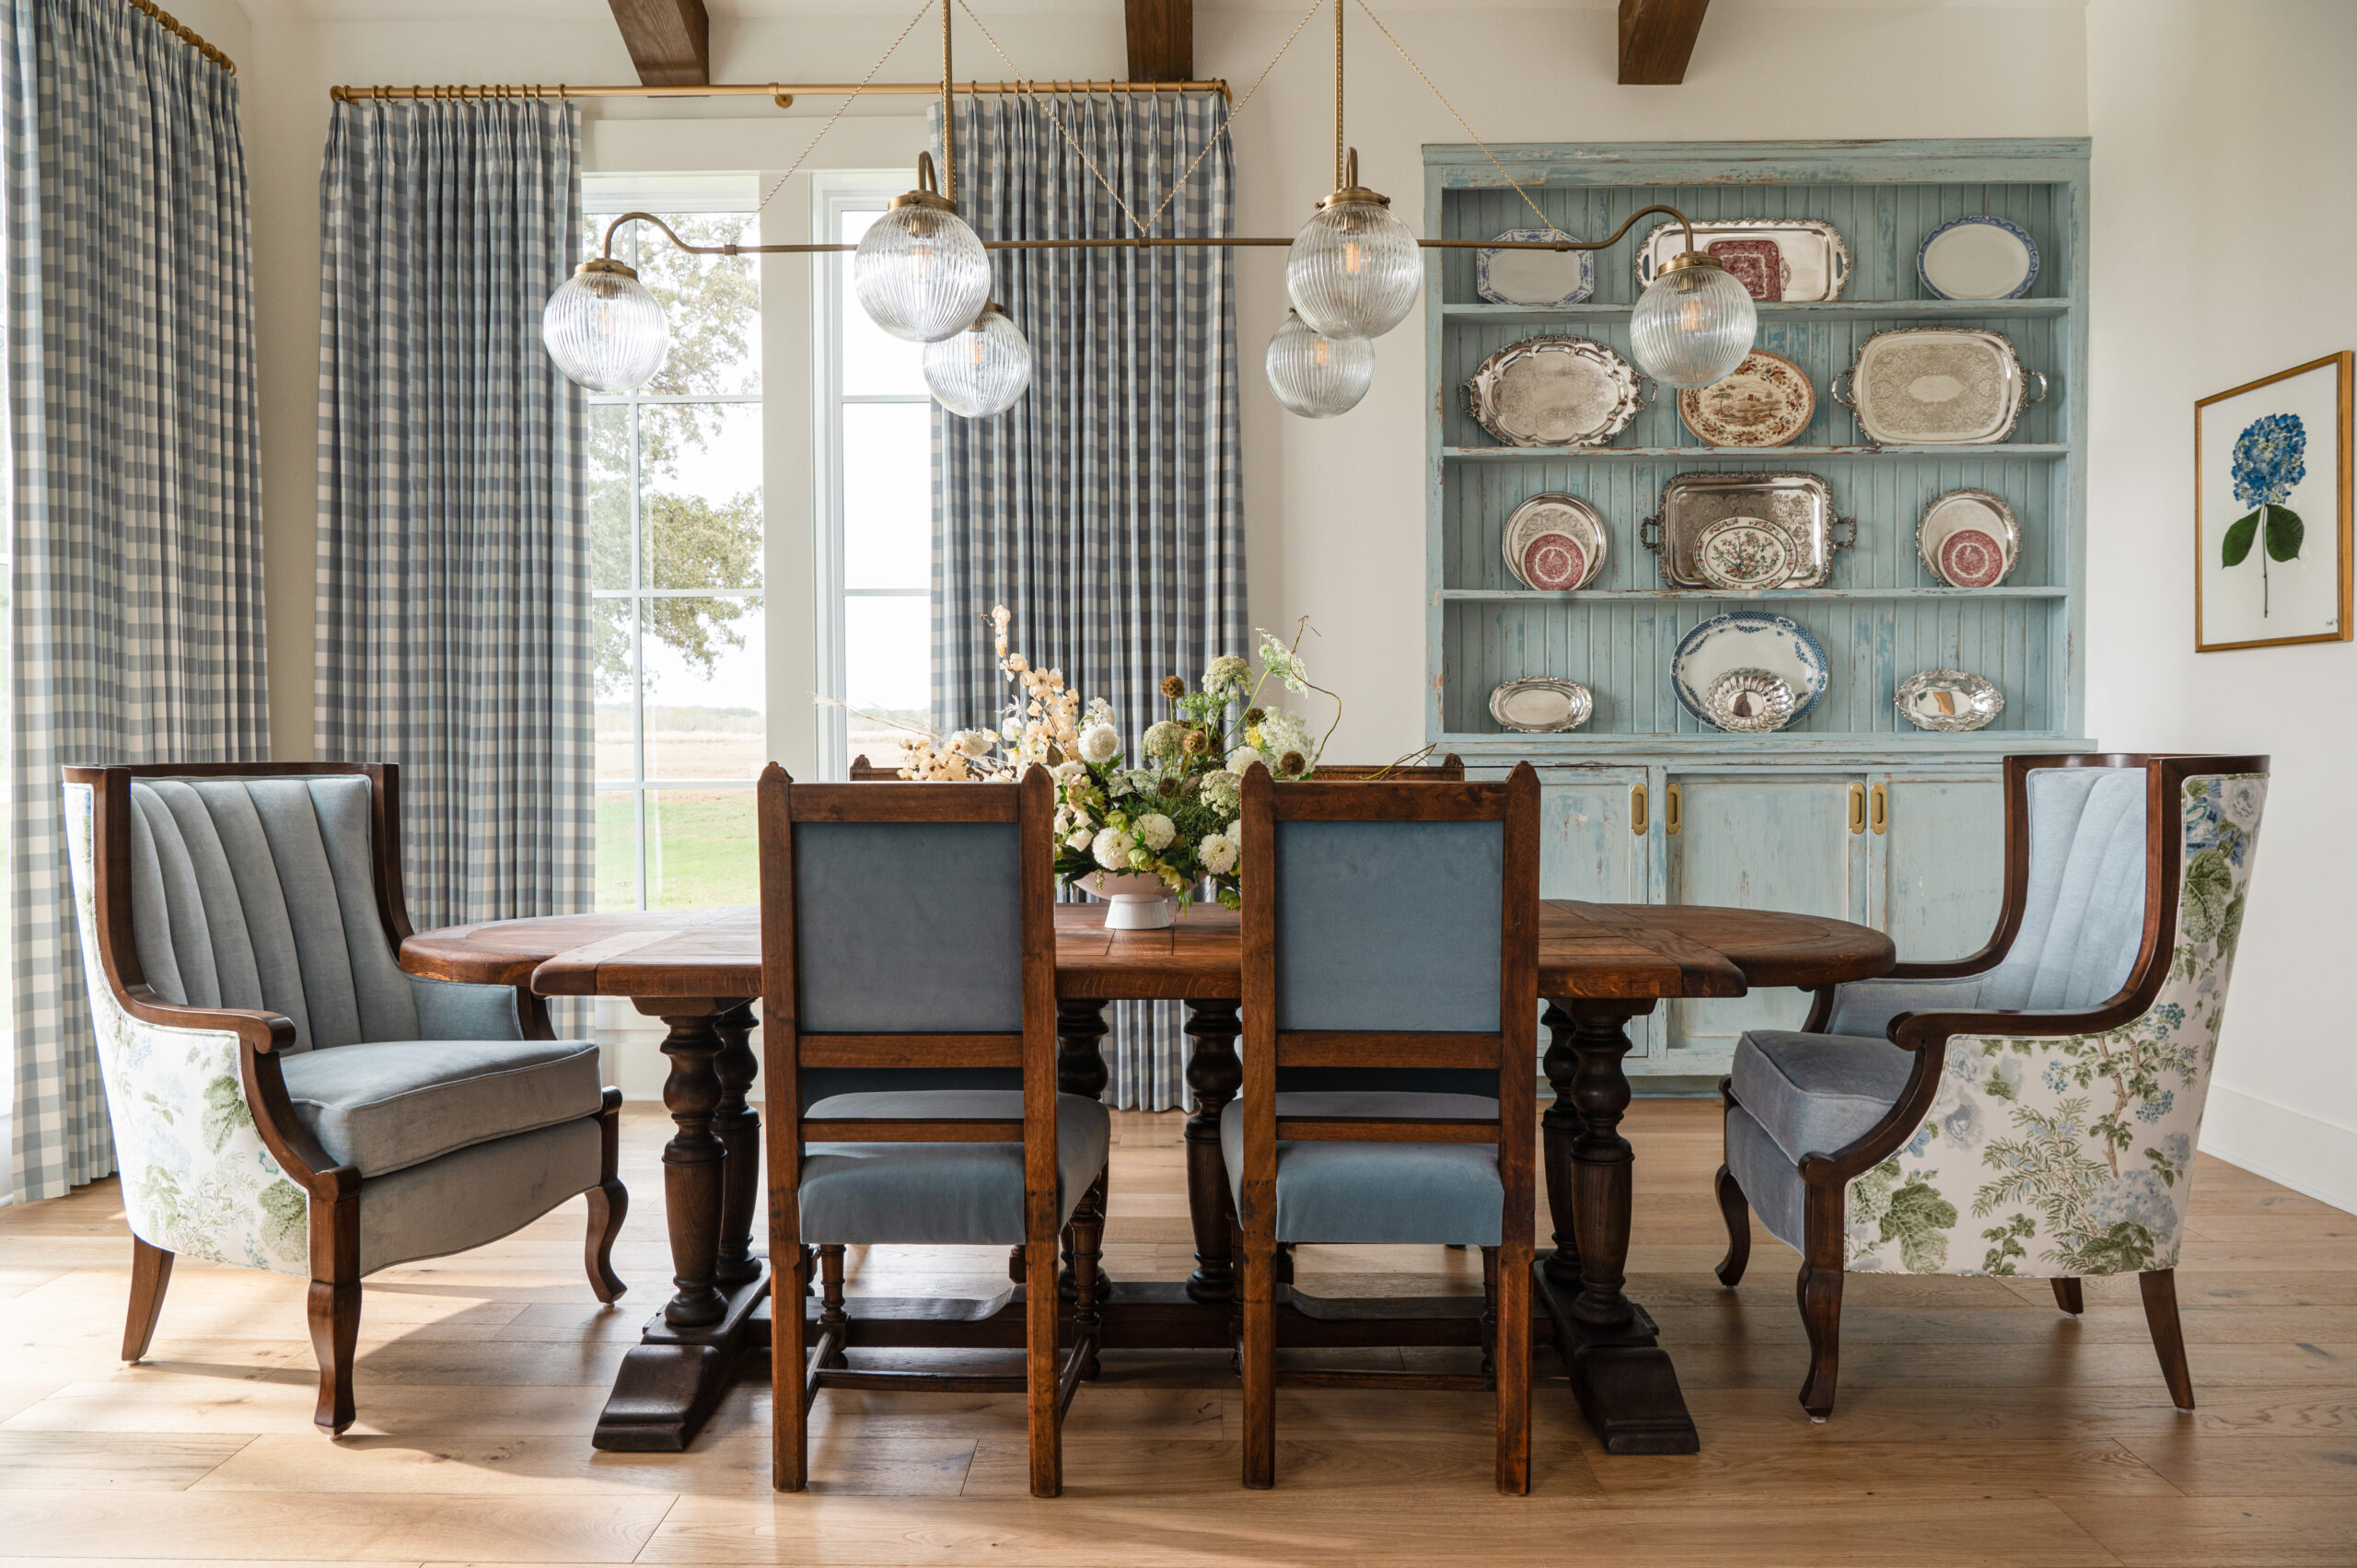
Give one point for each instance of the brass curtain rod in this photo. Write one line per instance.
(181, 31)
(787, 91)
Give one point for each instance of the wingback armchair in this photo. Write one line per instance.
(283, 1095)
(2032, 1110)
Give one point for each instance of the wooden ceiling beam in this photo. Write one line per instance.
(670, 40)
(1162, 40)
(1657, 39)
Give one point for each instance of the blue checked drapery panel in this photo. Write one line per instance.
(1104, 509)
(453, 591)
(136, 631)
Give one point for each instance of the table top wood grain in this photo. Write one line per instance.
(1628, 952)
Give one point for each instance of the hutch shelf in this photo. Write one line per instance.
(1853, 812)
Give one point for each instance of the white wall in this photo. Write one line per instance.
(2222, 188)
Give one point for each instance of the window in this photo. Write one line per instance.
(675, 525)
(874, 444)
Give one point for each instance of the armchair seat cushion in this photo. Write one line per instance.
(387, 1105)
(1816, 1093)
(940, 1194)
(1353, 1193)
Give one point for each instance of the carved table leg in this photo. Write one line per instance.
(1624, 1382)
(1080, 1069)
(1214, 1073)
(1559, 1127)
(670, 1381)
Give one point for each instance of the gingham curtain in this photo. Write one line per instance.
(453, 590)
(1104, 509)
(136, 525)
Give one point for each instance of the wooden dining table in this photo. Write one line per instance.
(1600, 965)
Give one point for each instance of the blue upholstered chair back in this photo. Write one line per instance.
(2083, 918)
(261, 892)
(1388, 925)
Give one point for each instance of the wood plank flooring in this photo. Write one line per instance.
(1976, 1424)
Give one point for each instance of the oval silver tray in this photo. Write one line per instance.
(1799, 503)
(1816, 262)
(1540, 704)
(1936, 387)
(1554, 393)
(1960, 509)
(1949, 701)
(1554, 512)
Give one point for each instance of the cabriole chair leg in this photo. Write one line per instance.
(2159, 1287)
(2070, 1298)
(608, 1205)
(1736, 1212)
(1819, 1289)
(151, 1276)
(334, 1311)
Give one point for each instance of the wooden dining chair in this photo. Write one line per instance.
(1389, 926)
(1450, 767)
(2030, 1110)
(909, 935)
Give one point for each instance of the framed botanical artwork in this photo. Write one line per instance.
(2272, 510)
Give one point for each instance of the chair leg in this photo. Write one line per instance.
(608, 1205)
(1735, 1210)
(1819, 1290)
(2069, 1296)
(1087, 1235)
(151, 1276)
(334, 1306)
(832, 1316)
(1489, 1311)
(1513, 1358)
(1258, 1354)
(2159, 1287)
(1041, 1306)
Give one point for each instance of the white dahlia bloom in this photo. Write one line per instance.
(1112, 848)
(1157, 831)
(1240, 760)
(1099, 743)
(1218, 853)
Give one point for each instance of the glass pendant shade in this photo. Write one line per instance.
(1316, 375)
(1355, 270)
(604, 330)
(982, 370)
(920, 273)
(1693, 325)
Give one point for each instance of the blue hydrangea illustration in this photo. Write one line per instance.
(2271, 459)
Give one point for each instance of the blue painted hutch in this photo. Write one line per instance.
(1853, 812)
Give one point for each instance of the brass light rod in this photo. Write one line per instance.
(770, 89)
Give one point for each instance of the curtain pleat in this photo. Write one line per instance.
(135, 577)
(1105, 508)
(453, 592)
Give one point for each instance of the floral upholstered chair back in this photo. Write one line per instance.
(2061, 1156)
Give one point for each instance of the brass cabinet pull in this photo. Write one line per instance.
(1857, 809)
(1879, 811)
(1671, 814)
(1637, 823)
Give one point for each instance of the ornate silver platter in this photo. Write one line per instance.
(1554, 393)
(1749, 702)
(1936, 387)
(1949, 700)
(1540, 704)
(1554, 526)
(1533, 277)
(1980, 257)
(1751, 642)
(1800, 504)
(1968, 539)
(1776, 259)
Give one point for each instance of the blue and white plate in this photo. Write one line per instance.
(1543, 278)
(1746, 639)
(1979, 257)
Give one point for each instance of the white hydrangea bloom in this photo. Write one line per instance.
(1157, 831)
(1099, 742)
(1112, 848)
(1162, 739)
(1240, 760)
(1218, 853)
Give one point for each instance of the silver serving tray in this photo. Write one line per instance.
(1816, 263)
(1554, 393)
(1540, 704)
(1950, 701)
(1801, 504)
(1936, 387)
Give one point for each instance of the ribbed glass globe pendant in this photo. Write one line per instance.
(1693, 324)
(982, 370)
(604, 330)
(920, 273)
(1355, 270)
(1316, 375)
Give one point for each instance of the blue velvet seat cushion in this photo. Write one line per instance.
(941, 1194)
(1351, 1193)
(388, 1105)
(1771, 1181)
(1816, 1093)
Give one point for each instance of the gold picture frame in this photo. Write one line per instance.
(2237, 454)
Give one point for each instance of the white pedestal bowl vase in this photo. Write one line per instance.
(1135, 901)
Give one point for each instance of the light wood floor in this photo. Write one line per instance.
(1976, 1426)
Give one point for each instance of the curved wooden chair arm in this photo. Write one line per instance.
(255, 1027)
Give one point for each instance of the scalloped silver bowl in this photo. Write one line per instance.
(1749, 702)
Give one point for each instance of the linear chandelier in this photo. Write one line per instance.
(1353, 273)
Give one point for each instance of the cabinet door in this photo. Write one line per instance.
(1939, 872)
(1586, 848)
(1764, 842)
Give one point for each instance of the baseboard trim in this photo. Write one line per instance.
(2305, 1153)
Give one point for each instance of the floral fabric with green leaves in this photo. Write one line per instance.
(2073, 1155)
(196, 1180)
